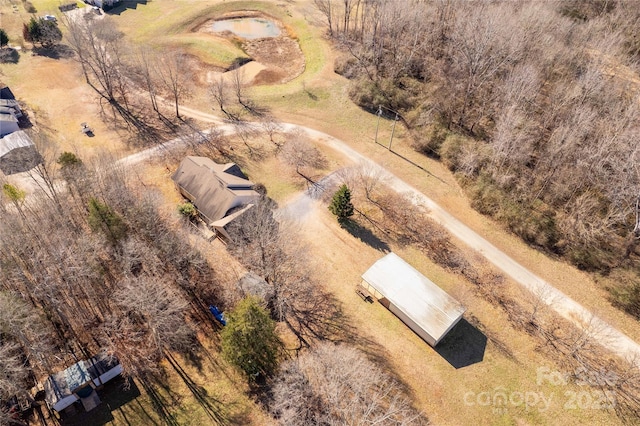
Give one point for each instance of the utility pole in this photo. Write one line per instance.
(379, 113)
(393, 129)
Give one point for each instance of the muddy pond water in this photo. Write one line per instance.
(249, 28)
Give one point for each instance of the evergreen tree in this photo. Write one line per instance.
(4, 38)
(103, 218)
(341, 203)
(68, 160)
(249, 340)
(41, 31)
(31, 31)
(14, 193)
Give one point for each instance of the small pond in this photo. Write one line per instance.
(249, 28)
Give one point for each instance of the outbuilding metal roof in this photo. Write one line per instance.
(426, 304)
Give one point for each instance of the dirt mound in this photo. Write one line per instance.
(251, 70)
(281, 56)
(250, 74)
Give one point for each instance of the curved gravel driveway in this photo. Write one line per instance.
(609, 336)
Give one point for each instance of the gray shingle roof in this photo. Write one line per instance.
(213, 188)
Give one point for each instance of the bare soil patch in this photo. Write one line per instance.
(275, 60)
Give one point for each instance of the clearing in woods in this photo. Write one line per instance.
(317, 98)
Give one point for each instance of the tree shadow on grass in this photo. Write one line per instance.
(316, 315)
(214, 409)
(415, 164)
(9, 55)
(364, 234)
(58, 51)
(160, 404)
(124, 5)
(113, 395)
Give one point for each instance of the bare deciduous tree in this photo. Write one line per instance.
(271, 127)
(219, 92)
(336, 384)
(173, 72)
(151, 320)
(299, 153)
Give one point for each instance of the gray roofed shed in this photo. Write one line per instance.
(78, 381)
(9, 103)
(7, 110)
(11, 106)
(417, 301)
(215, 189)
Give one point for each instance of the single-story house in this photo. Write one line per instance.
(423, 306)
(104, 4)
(10, 106)
(220, 192)
(18, 153)
(8, 124)
(7, 110)
(79, 382)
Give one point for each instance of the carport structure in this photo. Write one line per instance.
(423, 306)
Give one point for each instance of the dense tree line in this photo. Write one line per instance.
(116, 71)
(532, 104)
(43, 31)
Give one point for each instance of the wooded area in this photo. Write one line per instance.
(101, 267)
(533, 104)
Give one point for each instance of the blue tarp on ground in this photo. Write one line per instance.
(217, 315)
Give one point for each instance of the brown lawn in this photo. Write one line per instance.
(59, 101)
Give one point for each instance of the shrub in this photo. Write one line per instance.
(68, 159)
(346, 66)
(625, 291)
(451, 150)
(428, 140)
(188, 210)
(29, 7)
(398, 95)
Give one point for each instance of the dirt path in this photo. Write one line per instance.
(609, 336)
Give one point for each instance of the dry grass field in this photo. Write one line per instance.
(58, 99)
(510, 363)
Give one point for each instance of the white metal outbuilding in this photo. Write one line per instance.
(417, 301)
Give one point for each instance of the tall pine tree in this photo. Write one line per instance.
(341, 203)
